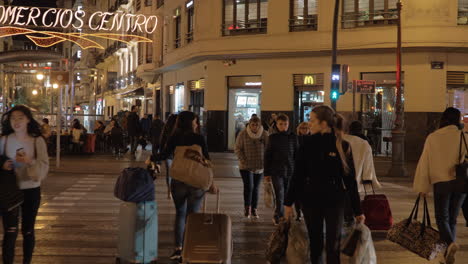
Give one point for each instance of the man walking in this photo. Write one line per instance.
(133, 129)
(155, 133)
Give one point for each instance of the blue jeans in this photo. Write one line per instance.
(252, 183)
(280, 184)
(187, 200)
(447, 207)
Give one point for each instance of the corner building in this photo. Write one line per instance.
(228, 59)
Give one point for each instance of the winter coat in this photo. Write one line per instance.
(363, 162)
(133, 125)
(280, 154)
(319, 179)
(156, 130)
(438, 159)
(250, 149)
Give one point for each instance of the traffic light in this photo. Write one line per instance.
(335, 82)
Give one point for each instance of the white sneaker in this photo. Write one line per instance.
(451, 251)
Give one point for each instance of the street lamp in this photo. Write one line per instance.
(55, 86)
(34, 92)
(40, 76)
(398, 168)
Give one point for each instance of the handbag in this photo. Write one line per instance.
(10, 195)
(377, 210)
(278, 243)
(190, 167)
(419, 238)
(460, 184)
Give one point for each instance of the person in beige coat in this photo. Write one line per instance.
(436, 171)
(250, 149)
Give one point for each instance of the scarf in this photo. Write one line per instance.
(253, 135)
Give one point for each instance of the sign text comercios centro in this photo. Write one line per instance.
(15, 20)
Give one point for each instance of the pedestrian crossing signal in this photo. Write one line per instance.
(335, 82)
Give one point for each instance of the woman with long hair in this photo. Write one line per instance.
(250, 150)
(323, 174)
(168, 128)
(443, 150)
(22, 143)
(187, 199)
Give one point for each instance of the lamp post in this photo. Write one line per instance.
(398, 168)
(335, 43)
(59, 124)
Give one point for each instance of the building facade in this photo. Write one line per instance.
(228, 59)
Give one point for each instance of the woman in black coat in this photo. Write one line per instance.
(323, 178)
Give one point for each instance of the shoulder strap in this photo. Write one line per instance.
(35, 148)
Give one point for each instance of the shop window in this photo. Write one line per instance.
(159, 3)
(190, 5)
(378, 110)
(303, 15)
(363, 13)
(462, 12)
(244, 17)
(177, 28)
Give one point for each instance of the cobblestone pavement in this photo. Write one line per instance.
(78, 219)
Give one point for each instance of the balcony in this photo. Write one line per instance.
(244, 28)
(189, 37)
(177, 42)
(299, 23)
(366, 19)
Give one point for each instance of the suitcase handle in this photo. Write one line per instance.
(218, 198)
(364, 182)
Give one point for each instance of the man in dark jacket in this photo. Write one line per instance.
(155, 132)
(133, 129)
(279, 162)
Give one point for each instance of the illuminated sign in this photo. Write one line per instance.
(189, 4)
(335, 77)
(17, 19)
(253, 83)
(197, 85)
(309, 80)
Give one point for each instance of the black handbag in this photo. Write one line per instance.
(461, 170)
(10, 195)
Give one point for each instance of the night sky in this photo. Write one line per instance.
(38, 3)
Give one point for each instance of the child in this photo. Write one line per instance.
(279, 162)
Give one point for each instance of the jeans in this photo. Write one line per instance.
(252, 183)
(29, 209)
(280, 184)
(10, 233)
(333, 218)
(447, 207)
(133, 143)
(187, 200)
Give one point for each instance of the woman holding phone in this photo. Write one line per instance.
(23, 145)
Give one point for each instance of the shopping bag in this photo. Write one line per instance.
(419, 238)
(278, 243)
(190, 167)
(351, 242)
(298, 244)
(269, 194)
(364, 252)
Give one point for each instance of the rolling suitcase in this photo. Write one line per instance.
(208, 237)
(377, 210)
(138, 233)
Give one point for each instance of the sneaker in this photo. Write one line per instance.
(177, 255)
(450, 255)
(255, 214)
(247, 212)
(275, 221)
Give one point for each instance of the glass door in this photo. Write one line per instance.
(243, 103)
